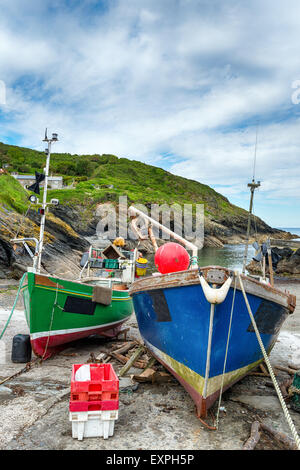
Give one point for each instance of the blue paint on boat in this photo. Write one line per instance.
(184, 336)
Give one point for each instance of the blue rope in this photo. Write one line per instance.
(193, 260)
(15, 303)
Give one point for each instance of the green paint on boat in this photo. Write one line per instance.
(49, 301)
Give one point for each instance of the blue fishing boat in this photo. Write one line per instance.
(209, 326)
(208, 346)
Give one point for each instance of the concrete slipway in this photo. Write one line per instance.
(34, 405)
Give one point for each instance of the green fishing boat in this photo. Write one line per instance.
(59, 310)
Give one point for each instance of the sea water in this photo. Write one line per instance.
(232, 256)
(229, 256)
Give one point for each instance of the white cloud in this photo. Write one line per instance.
(178, 77)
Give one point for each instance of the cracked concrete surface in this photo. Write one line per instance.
(34, 405)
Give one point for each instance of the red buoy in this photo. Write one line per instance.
(171, 257)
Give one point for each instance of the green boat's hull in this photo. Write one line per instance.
(59, 311)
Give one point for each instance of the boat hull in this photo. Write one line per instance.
(59, 311)
(174, 319)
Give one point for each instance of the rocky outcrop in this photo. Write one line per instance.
(68, 229)
(6, 258)
(217, 231)
(233, 229)
(63, 246)
(288, 264)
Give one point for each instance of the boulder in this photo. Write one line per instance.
(290, 264)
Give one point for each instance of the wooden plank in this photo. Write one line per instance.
(278, 436)
(151, 375)
(254, 436)
(150, 363)
(123, 349)
(119, 357)
(132, 360)
(285, 369)
(145, 376)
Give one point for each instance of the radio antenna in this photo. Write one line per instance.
(253, 186)
(254, 163)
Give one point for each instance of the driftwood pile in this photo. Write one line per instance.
(280, 437)
(257, 426)
(134, 354)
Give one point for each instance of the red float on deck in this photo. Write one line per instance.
(171, 257)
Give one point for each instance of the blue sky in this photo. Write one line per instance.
(181, 84)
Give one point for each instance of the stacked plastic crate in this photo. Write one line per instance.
(94, 400)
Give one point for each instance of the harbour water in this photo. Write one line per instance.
(231, 256)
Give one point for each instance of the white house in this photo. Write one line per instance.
(54, 182)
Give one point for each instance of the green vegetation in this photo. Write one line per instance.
(12, 194)
(99, 178)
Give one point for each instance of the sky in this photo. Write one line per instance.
(186, 85)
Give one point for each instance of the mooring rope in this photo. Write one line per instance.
(14, 305)
(267, 361)
(226, 353)
(51, 321)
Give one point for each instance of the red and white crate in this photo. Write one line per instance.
(93, 423)
(94, 400)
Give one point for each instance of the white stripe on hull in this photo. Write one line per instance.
(73, 330)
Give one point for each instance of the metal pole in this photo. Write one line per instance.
(134, 212)
(252, 186)
(44, 206)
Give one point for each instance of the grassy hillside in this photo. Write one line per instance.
(12, 194)
(97, 178)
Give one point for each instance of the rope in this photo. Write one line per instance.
(25, 369)
(22, 221)
(194, 260)
(226, 352)
(15, 303)
(267, 361)
(254, 220)
(51, 321)
(208, 348)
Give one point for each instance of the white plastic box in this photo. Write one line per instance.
(93, 423)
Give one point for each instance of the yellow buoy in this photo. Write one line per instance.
(119, 241)
(141, 266)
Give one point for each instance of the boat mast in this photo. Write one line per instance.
(253, 186)
(44, 204)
